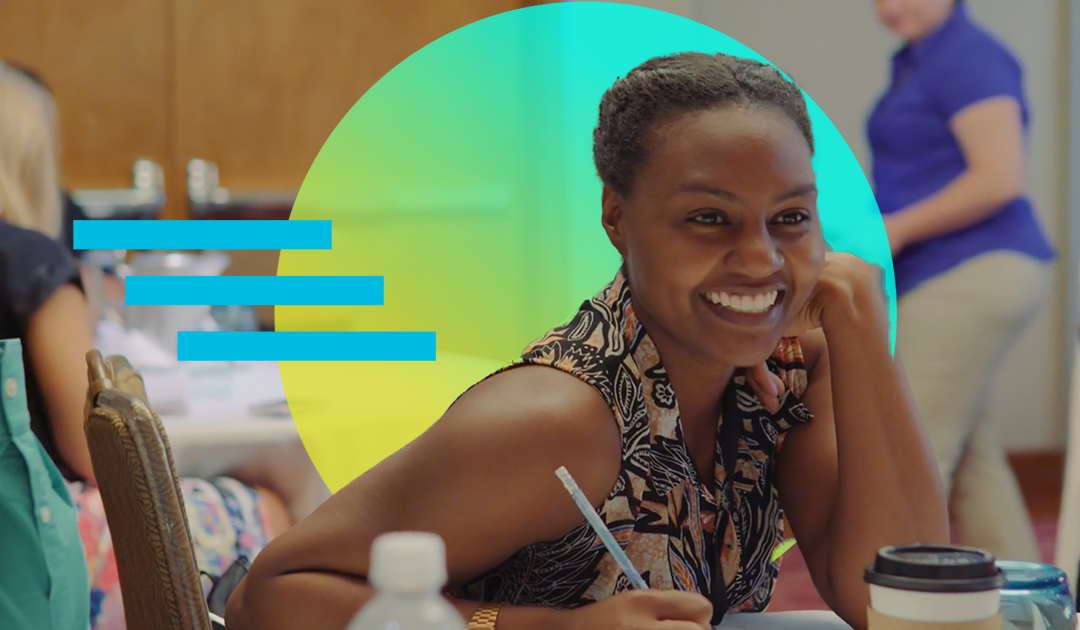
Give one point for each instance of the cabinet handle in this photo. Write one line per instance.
(143, 200)
(207, 199)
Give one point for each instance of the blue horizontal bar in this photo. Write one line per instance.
(201, 234)
(276, 290)
(305, 346)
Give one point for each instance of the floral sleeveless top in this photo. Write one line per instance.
(676, 532)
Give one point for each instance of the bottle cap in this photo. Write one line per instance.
(408, 561)
(1032, 576)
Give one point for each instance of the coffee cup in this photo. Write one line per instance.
(934, 587)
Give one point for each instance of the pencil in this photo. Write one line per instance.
(601, 529)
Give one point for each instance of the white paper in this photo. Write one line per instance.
(134, 345)
(802, 620)
(167, 390)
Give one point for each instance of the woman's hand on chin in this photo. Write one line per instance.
(849, 287)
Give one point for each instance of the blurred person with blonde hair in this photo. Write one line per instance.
(30, 195)
(972, 263)
(42, 305)
(41, 287)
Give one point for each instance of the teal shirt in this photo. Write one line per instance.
(43, 576)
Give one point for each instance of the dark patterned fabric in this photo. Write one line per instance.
(663, 517)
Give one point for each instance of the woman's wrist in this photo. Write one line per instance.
(534, 618)
(902, 228)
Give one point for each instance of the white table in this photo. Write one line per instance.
(808, 620)
(220, 435)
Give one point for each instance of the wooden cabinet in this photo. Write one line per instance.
(107, 62)
(254, 86)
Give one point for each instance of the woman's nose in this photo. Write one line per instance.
(755, 254)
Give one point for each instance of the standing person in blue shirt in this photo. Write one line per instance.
(948, 141)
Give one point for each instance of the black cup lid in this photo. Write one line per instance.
(935, 569)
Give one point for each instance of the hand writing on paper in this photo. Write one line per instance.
(645, 610)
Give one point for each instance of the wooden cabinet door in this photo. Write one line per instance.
(260, 85)
(254, 86)
(108, 65)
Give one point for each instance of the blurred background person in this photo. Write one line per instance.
(111, 288)
(973, 266)
(42, 304)
(71, 211)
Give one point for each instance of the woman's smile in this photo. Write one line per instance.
(747, 307)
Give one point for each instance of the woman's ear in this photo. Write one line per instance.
(612, 208)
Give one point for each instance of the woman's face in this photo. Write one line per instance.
(913, 19)
(720, 233)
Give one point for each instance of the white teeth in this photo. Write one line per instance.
(744, 303)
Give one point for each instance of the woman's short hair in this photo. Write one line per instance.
(30, 195)
(664, 87)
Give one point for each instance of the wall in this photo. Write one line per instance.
(840, 55)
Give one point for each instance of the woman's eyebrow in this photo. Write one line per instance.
(711, 190)
(798, 191)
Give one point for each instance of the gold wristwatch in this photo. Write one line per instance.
(485, 616)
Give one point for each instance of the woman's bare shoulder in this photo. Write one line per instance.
(509, 434)
(536, 407)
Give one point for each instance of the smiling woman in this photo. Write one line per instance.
(658, 397)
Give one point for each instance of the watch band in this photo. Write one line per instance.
(485, 616)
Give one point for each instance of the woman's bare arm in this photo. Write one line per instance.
(57, 340)
(483, 478)
(861, 474)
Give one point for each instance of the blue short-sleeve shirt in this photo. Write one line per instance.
(915, 153)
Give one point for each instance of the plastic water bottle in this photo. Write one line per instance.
(408, 571)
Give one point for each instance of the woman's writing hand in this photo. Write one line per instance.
(652, 609)
(849, 286)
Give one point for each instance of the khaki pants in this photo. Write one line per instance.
(952, 334)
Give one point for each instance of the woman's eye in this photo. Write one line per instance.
(709, 218)
(793, 218)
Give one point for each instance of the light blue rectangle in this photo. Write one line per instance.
(306, 346)
(201, 234)
(254, 290)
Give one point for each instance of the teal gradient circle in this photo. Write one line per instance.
(465, 178)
